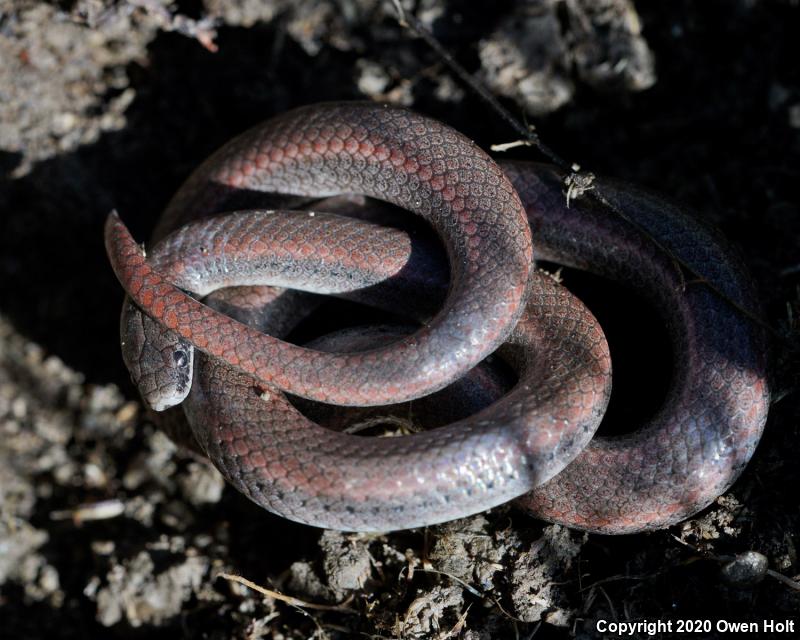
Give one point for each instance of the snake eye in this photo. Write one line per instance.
(180, 357)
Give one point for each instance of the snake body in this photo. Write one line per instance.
(676, 464)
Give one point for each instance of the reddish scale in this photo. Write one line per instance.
(312, 475)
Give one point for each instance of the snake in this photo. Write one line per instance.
(535, 443)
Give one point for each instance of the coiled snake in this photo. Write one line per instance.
(535, 442)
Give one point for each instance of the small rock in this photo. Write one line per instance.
(536, 591)
(347, 561)
(140, 596)
(201, 484)
(468, 551)
(431, 613)
(746, 569)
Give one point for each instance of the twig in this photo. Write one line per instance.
(792, 584)
(102, 510)
(295, 602)
(459, 625)
(789, 582)
(528, 134)
(577, 183)
(473, 590)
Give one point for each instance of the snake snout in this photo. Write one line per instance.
(160, 362)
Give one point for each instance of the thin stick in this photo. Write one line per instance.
(528, 134)
(578, 183)
(473, 590)
(295, 602)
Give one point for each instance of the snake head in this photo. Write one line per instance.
(159, 360)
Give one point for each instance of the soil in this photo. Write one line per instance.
(108, 529)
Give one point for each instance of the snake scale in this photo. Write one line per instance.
(225, 365)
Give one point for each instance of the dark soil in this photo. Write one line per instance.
(107, 529)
